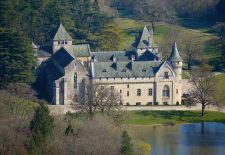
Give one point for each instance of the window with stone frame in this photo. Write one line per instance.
(166, 91)
(128, 93)
(166, 75)
(112, 87)
(75, 81)
(138, 92)
(150, 92)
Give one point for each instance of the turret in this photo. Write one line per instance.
(175, 58)
(176, 62)
(61, 39)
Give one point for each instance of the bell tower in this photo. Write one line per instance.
(61, 39)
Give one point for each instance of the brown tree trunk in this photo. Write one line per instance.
(203, 109)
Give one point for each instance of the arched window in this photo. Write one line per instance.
(75, 80)
(166, 91)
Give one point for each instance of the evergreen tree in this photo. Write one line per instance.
(41, 126)
(127, 146)
(16, 58)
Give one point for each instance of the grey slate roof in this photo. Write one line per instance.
(126, 69)
(82, 50)
(148, 56)
(144, 39)
(104, 56)
(44, 51)
(62, 34)
(62, 57)
(175, 56)
(53, 70)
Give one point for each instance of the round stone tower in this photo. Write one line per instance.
(177, 62)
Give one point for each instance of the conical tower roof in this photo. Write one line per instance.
(62, 34)
(175, 56)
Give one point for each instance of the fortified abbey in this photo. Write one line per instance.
(140, 75)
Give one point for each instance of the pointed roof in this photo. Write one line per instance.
(145, 39)
(175, 56)
(62, 34)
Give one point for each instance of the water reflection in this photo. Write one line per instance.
(187, 139)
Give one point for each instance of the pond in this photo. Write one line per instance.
(187, 139)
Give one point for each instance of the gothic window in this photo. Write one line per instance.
(75, 80)
(166, 91)
(166, 75)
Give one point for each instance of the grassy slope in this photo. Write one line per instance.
(220, 87)
(129, 28)
(160, 117)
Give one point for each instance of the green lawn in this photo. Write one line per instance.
(161, 117)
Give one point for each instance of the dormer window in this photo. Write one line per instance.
(104, 71)
(166, 75)
(58, 42)
(62, 42)
(124, 70)
(65, 42)
(144, 70)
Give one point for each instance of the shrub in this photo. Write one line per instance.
(177, 103)
(156, 103)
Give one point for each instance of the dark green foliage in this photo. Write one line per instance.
(220, 8)
(40, 19)
(127, 146)
(16, 58)
(41, 125)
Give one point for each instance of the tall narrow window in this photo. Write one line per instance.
(128, 93)
(138, 92)
(166, 91)
(150, 92)
(75, 80)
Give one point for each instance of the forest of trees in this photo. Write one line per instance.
(167, 10)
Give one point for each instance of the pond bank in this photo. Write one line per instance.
(171, 117)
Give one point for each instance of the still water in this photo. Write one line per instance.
(187, 139)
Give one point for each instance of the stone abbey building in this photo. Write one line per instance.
(140, 75)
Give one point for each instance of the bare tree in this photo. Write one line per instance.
(191, 48)
(99, 98)
(203, 88)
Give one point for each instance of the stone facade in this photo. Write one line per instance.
(141, 76)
